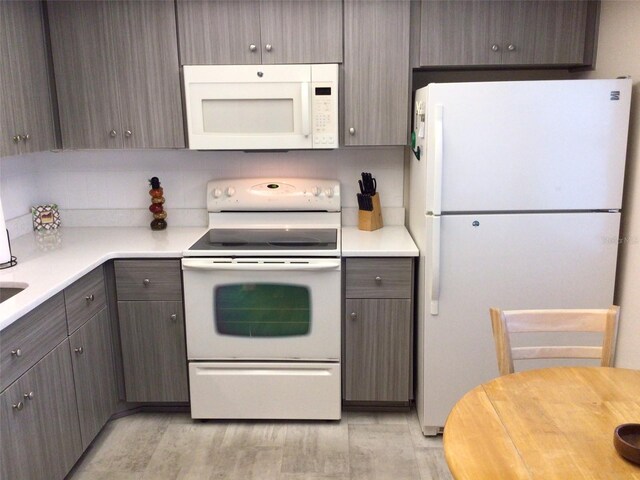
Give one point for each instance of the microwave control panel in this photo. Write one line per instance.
(324, 105)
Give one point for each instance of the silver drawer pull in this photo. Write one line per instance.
(146, 282)
(29, 396)
(18, 406)
(353, 315)
(173, 317)
(378, 279)
(16, 353)
(79, 350)
(89, 298)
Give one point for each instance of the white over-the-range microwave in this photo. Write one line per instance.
(261, 107)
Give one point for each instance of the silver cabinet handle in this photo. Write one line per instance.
(79, 350)
(378, 279)
(18, 406)
(268, 47)
(173, 317)
(17, 138)
(495, 47)
(511, 47)
(252, 48)
(352, 131)
(16, 353)
(90, 298)
(28, 396)
(353, 315)
(146, 282)
(113, 133)
(26, 136)
(128, 133)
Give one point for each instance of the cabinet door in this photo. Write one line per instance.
(459, 32)
(148, 73)
(376, 72)
(84, 59)
(41, 440)
(301, 32)
(94, 375)
(219, 32)
(153, 351)
(554, 32)
(25, 93)
(377, 350)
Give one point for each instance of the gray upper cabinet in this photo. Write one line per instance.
(117, 74)
(470, 33)
(376, 72)
(39, 421)
(94, 375)
(26, 116)
(260, 31)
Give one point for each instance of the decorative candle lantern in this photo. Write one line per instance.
(157, 200)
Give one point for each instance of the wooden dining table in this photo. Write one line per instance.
(551, 423)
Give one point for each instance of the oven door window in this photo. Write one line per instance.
(262, 310)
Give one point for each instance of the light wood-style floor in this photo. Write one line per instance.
(368, 446)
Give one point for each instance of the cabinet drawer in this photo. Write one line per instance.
(84, 298)
(378, 277)
(148, 280)
(30, 338)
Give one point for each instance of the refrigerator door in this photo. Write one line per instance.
(525, 146)
(511, 261)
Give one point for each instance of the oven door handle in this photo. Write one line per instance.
(193, 264)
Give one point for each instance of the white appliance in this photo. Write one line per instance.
(514, 203)
(261, 107)
(262, 301)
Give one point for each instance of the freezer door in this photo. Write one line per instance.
(507, 261)
(526, 146)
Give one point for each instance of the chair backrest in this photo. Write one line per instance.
(506, 322)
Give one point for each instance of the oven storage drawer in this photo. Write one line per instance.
(265, 390)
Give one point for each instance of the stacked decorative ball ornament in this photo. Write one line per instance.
(157, 200)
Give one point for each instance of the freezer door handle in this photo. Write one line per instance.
(438, 139)
(434, 271)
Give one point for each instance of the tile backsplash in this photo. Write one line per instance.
(111, 182)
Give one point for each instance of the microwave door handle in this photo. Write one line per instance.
(305, 108)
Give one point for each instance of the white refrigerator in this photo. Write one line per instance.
(514, 203)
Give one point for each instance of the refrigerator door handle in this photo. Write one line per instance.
(434, 273)
(438, 139)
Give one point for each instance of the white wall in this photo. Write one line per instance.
(619, 54)
(114, 180)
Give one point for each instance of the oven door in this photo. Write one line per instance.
(262, 309)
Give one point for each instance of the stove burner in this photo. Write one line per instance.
(267, 239)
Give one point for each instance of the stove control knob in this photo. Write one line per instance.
(329, 192)
(316, 191)
(216, 193)
(230, 191)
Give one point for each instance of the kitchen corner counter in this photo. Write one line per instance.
(52, 261)
(391, 241)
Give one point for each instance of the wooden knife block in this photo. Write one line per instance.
(372, 220)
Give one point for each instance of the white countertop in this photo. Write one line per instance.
(391, 241)
(48, 263)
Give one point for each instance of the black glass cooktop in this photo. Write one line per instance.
(268, 239)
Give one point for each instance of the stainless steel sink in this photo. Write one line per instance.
(9, 289)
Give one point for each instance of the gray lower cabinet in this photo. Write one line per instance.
(152, 330)
(259, 31)
(39, 421)
(117, 74)
(94, 375)
(153, 351)
(26, 116)
(484, 33)
(378, 331)
(376, 72)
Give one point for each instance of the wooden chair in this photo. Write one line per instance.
(506, 322)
